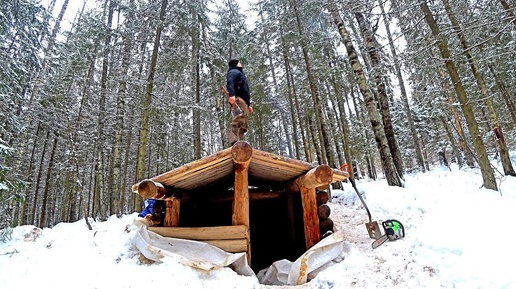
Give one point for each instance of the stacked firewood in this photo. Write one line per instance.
(323, 210)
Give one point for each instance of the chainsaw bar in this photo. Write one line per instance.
(380, 241)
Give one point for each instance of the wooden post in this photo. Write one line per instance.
(310, 217)
(172, 213)
(242, 153)
(307, 184)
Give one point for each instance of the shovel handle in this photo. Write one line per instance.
(351, 179)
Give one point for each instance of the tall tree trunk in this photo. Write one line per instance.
(101, 200)
(117, 194)
(220, 102)
(478, 143)
(38, 181)
(196, 59)
(506, 97)
(294, 103)
(383, 99)
(336, 130)
(320, 118)
(144, 127)
(126, 205)
(75, 134)
(493, 117)
(348, 155)
(28, 116)
(340, 136)
(276, 94)
(314, 141)
(393, 179)
(364, 135)
(455, 147)
(68, 213)
(457, 123)
(50, 46)
(48, 181)
(24, 218)
(403, 92)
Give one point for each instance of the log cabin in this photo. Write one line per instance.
(242, 199)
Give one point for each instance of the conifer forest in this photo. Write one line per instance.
(96, 95)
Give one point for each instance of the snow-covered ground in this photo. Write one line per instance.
(458, 235)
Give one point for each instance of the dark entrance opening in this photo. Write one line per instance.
(276, 230)
(276, 224)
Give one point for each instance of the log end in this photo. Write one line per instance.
(324, 212)
(149, 189)
(241, 152)
(324, 174)
(323, 197)
(327, 225)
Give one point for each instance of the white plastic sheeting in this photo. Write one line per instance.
(195, 254)
(321, 255)
(204, 256)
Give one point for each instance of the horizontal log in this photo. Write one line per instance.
(231, 246)
(326, 225)
(322, 197)
(203, 233)
(316, 177)
(323, 187)
(339, 175)
(253, 196)
(324, 212)
(150, 189)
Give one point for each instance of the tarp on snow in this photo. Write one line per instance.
(321, 255)
(206, 257)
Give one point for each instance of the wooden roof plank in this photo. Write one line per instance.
(266, 169)
(207, 163)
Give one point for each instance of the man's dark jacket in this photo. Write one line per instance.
(237, 84)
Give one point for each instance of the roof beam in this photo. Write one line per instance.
(316, 177)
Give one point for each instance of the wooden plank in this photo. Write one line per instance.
(203, 233)
(184, 171)
(280, 160)
(270, 172)
(310, 217)
(191, 171)
(284, 166)
(339, 175)
(233, 239)
(232, 246)
(206, 177)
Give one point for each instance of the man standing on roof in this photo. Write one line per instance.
(240, 100)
